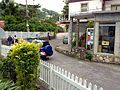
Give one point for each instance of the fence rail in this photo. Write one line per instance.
(59, 79)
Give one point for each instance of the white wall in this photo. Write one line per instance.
(27, 34)
(109, 3)
(94, 5)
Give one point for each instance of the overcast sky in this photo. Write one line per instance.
(55, 5)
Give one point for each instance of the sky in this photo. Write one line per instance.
(55, 5)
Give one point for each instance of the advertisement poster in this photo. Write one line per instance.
(89, 38)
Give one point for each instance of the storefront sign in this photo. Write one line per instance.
(105, 43)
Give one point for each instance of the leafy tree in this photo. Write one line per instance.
(65, 11)
(15, 17)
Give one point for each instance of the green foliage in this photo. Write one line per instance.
(7, 69)
(25, 57)
(8, 85)
(90, 24)
(89, 56)
(46, 14)
(21, 64)
(65, 11)
(15, 17)
(60, 29)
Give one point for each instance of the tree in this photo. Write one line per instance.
(65, 11)
(15, 17)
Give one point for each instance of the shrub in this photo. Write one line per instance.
(8, 85)
(89, 56)
(7, 69)
(25, 59)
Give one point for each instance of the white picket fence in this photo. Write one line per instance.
(4, 50)
(59, 79)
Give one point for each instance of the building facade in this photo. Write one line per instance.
(106, 16)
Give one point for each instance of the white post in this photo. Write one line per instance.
(96, 36)
(117, 37)
(51, 77)
(70, 34)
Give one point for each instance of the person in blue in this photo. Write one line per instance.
(9, 40)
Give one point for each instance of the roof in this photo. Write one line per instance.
(91, 14)
(70, 1)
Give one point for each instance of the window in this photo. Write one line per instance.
(84, 7)
(115, 7)
(106, 38)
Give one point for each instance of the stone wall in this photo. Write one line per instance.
(77, 53)
(80, 53)
(106, 58)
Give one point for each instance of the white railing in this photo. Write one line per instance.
(59, 79)
(26, 34)
(4, 50)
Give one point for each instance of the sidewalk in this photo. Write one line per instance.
(103, 75)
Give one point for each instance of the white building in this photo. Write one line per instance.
(106, 16)
(83, 6)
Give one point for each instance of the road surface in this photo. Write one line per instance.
(104, 75)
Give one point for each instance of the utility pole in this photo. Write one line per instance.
(27, 25)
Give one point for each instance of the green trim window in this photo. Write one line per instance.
(106, 38)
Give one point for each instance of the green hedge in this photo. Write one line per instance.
(21, 64)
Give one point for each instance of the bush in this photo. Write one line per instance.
(24, 60)
(8, 85)
(89, 56)
(7, 69)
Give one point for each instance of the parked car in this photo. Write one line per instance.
(65, 40)
(45, 50)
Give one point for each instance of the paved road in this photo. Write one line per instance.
(104, 75)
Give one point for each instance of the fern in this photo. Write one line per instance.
(8, 85)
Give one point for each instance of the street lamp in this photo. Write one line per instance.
(27, 25)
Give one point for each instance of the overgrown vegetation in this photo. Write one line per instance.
(90, 24)
(21, 64)
(39, 19)
(8, 85)
(89, 56)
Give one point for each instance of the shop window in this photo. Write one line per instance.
(106, 39)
